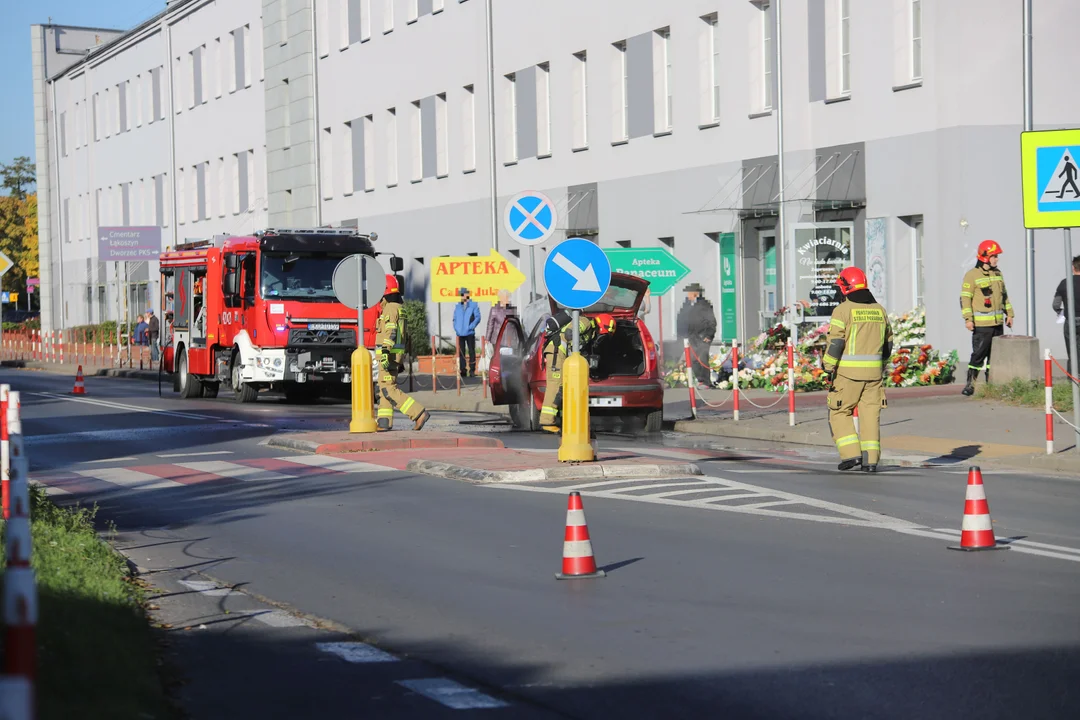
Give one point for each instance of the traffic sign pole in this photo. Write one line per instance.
(1070, 317)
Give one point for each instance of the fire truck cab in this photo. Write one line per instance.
(259, 312)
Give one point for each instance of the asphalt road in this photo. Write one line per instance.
(834, 598)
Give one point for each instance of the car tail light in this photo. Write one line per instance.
(650, 351)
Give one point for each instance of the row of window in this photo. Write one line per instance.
(342, 23)
(348, 151)
(116, 109)
(142, 202)
(223, 65)
(216, 188)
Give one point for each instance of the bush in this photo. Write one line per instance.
(415, 328)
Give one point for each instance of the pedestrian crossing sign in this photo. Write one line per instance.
(1050, 168)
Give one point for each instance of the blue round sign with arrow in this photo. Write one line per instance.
(577, 273)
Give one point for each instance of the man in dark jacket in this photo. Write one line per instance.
(1061, 297)
(700, 330)
(153, 326)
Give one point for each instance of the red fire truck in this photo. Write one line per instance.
(259, 312)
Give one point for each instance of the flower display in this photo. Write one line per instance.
(765, 365)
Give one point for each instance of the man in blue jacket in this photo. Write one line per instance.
(466, 318)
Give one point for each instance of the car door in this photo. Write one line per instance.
(507, 374)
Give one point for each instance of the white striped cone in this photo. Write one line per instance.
(16, 698)
(578, 558)
(976, 530)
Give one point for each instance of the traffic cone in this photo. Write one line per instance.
(976, 532)
(79, 389)
(578, 560)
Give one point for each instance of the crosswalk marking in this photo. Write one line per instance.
(233, 470)
(334, 463)
(130, 479)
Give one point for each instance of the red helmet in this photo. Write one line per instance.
(851, 279)
(988, 248)
(605, 323)
(391, 285)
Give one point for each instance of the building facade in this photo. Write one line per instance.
(649, 124)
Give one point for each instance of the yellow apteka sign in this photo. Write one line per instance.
(483, 276)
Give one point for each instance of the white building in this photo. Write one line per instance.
(649, 123)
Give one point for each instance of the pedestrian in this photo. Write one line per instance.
(153, 332)
(699, 324)
(389, 351)
(1060, 298)
(985, 307)
(558, 343)
(500, 310)
(858, 346)
(466, 318)
(140, 330)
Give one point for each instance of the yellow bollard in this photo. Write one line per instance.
(363, 417)
(575, 445)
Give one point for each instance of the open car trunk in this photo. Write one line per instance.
(620, 353)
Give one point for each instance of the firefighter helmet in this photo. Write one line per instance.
(988, 248)
(391, 285)
(604, 323)
(851, 279)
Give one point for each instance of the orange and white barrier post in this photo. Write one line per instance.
(434, 361)
(1049, 371)
(690, 378)
(735, 375)
(20, 593)
(791, 383)
(5, 451)
(855, 419)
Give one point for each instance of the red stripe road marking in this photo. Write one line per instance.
(179, 474)
(74, 484)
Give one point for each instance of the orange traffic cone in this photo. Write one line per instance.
(578, 560)
(977, 532)
(79, 388)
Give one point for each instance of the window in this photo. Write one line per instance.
(246, 31)
(197, 77)
(358, 24)
(511, 104)
(327, 152)
(239, 59)
(414, 11)
(711, 65)
(181, 197)
(243, 189)
(442, 155)
(918, 272)
(178, 85)
(234, 183)
(580, 100)
(428, 139)
(543, 110)
(916, 42)
(845, 47)
(388, 16)
(159, 112)
(63, 134)
(767, 54)
(250, 170)
(468, 129)
(137, 101)
(621, 96)
(391, 148)
(159, 200)
(368, 125)
(96, 117)
(122, 107)
(286, 119)
(201, 197)
(662, 90)
(216, 66)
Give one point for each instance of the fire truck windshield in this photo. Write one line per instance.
(301, 276)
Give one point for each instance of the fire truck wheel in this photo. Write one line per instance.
(190, 387)
(210, 390)
(242, 391)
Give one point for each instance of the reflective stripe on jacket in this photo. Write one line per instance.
(387, 333)
(859, 338)
(984, 299)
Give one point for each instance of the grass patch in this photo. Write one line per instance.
(1029, 393)
(97, 656)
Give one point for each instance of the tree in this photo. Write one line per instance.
(19, 239)
(18, 176)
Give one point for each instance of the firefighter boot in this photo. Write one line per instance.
(419, 423)
(969, 389)
(849, 463)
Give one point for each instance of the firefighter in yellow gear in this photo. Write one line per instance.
(389, 353)
(859, 346)
(985, 307)
(559, 338)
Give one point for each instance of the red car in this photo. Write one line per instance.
(624, 380)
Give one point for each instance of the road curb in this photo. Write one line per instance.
(291, 442)
(591, 471)
(704, 427)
